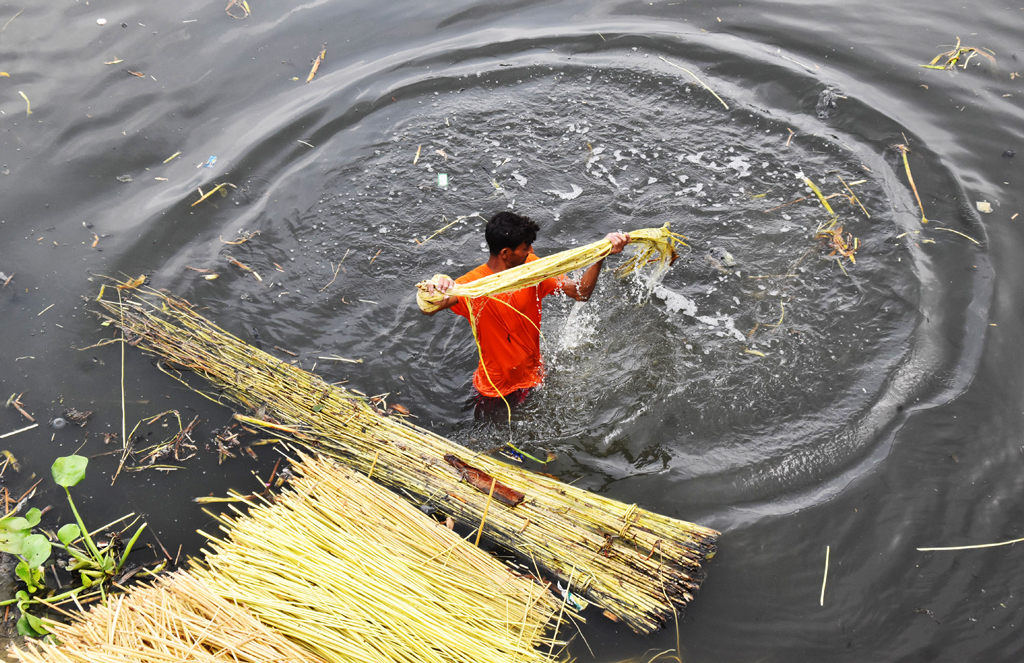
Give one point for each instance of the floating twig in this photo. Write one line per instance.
(213, 191)
(20, 430)
(316, 63)
(11, 19)
(173, 156)
(825, 578)
(242, 7)
(446, 227)
(976, 547)
(337, 358)
(28, 105)
(903, 150)
(854, 197)
(957, 232)
(698, 80)
(242, 240)
(336, 270)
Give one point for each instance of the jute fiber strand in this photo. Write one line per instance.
(640, 566)
(649, 244)
(175, 620)
(347, 569)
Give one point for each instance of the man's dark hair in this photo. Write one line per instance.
(507, 230)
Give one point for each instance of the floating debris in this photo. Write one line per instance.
(904, 150)
(954, 55)
(316, 63)
(827, 102)
(845, 245)
(703, 84)
(720, 258)
(240, 7)
(78, 417)
(984, 206)
(572, 195)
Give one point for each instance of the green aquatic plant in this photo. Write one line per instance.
(94, 566)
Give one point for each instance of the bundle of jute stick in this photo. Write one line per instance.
(656, 245)
(336, 569)
(353, 572)
(641, 567)
(177, 619)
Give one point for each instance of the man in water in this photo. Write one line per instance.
(509, 336)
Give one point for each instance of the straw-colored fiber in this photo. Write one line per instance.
(648, 244)
(352, 572)
(178, 619)
(640, 566)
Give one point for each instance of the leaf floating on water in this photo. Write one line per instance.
(5, 74)
(134, 283)
(210, 277)
(135, 73)
(753, 352)
(118, 61)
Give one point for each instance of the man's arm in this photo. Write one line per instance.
(443, 285)
(581, 291)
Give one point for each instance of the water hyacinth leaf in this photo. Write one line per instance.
(68, 533)
(23, 572)
(33, 516)
(15, 524)
(69, 470)
(11, 542)
(31, 626)
(36, 550)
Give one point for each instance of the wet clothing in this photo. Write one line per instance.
(509, 339)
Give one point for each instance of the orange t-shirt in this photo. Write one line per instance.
(509, 341)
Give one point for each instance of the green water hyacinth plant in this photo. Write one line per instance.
(94, 566)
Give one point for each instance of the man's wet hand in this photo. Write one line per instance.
(618, 240)
(442, 285)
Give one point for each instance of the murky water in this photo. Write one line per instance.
(793, 400)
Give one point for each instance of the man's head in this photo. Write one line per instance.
(510, 236)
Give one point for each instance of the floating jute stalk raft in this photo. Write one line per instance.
(338, 566)
(650, 245)
(640, 566)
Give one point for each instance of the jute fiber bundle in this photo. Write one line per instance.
(347, 569)
(640, 566)
(177, 619)
(649, 244)
(336, 569)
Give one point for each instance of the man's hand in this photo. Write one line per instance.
(618, 240)
(441, 286)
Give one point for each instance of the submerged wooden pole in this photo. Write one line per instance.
(640, 566)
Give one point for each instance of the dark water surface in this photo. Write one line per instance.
(787, 402)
